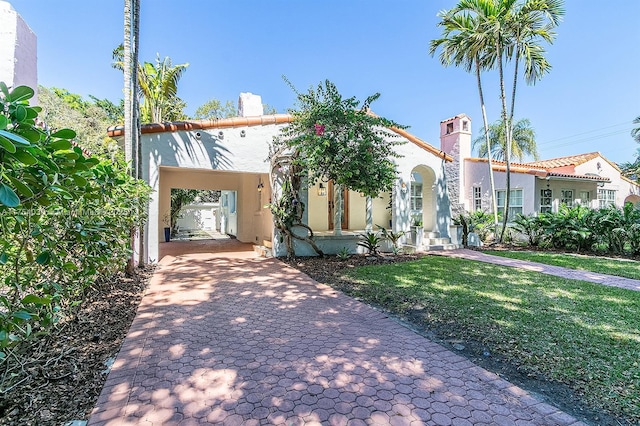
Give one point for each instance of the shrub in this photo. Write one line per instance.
(371, 241)
(65, 219)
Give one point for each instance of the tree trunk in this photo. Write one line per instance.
(131, 108)
(494, 205)
(507, 124)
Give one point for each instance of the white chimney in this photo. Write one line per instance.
(249, 105)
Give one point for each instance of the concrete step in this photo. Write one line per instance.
(410, 248)
(436, 241)
(431, 234)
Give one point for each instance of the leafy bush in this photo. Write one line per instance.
(531, 226)
(478, 221)
(65, 219)
(579, 228)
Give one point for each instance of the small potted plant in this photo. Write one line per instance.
(417, 231)
(166, 219)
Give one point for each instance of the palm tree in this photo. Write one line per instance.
(129, 66)
(158, 87)
(462, 44)
(635, 132)
(513, 30)
(523, 141)
(131, 106)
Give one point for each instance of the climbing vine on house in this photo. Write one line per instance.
(65, 219)
(331, 138)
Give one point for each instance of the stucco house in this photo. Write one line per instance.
(536, 187)
(231, 155)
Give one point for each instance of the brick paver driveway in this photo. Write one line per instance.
(252, 341)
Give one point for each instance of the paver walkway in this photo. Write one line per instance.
(253, 341)
(558, 271)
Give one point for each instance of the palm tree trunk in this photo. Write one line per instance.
(131, 120)
(507, 155)
(486, 127)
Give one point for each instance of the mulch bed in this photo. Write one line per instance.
(58, 378)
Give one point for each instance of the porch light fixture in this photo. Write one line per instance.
(220, 134)
(403, 187)
(322, 190)
(600, 184)
(260, 186)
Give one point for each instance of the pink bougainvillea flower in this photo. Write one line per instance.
(319, 129)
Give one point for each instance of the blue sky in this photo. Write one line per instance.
(585, 104)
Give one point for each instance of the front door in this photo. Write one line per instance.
(345, 206)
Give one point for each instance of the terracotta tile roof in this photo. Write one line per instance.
(536, 170)
(571, 160)
(262, 120)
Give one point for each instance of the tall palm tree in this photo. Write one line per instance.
(131, 107)
(514, 29)
(129, 66)
(462, 44)
(523, 141)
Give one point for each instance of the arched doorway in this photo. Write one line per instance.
(423, 200)
(634, 199)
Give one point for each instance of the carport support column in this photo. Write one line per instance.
(369, 207)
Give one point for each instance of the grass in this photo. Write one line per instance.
(618, 267)
(579, 333)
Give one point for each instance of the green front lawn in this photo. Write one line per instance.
(619, 267)
(584, 335)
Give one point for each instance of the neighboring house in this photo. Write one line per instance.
(231, 155)
(536, 187)
(18, 51)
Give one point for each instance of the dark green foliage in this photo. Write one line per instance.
(371, 241)
(578, 228)
(65, 219)
(477, 221)
(333, 139)
(339, 139)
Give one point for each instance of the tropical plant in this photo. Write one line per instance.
(523, 141)
(371, 242)
(463, 44)
(477, 221)
(158, 88)
(504, 30)
(343, 254)
(389, 235)
(65, 219)
(530, 226)
(635, 132)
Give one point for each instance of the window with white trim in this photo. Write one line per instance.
(566, 197)
(606, 197)
(546, 201)
(477, 198)
(585, 198)
(515, 202)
